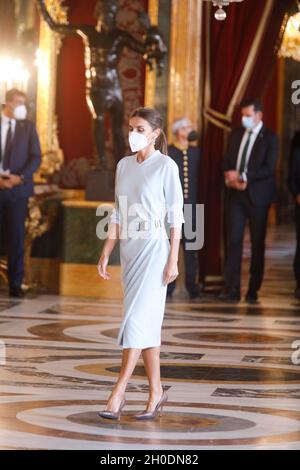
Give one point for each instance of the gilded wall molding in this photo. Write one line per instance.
(150, 79)
(185, 62)
(49, 47)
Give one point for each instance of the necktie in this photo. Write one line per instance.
(244, 154)
(7, 148)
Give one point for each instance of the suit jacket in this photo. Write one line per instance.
(261, 185)
(194, 156)
(25, 156)
(294, 166)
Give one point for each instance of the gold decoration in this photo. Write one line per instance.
(184, 76)
(215, 118)
(290, 46)
(53, 158)
(49, 47)
(150, 79)
(39, 220)
(3, 270)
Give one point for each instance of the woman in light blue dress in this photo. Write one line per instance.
(147, 188)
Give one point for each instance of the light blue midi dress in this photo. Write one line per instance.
(145, 193)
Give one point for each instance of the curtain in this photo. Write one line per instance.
(264, 66)
(238, 56)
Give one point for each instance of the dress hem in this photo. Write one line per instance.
(140, 347)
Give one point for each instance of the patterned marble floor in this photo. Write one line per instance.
(229, 370)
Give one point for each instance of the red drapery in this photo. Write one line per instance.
(229, 45)
(265, 63)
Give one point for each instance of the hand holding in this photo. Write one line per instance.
(231, 175)
(5, 183)
(238, 185)
(15, 180)
(233, 181)
(241, 185)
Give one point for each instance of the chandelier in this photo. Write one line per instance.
(220, 13)
(290, 46)
(13, 74)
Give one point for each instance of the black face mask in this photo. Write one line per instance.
(193, 135)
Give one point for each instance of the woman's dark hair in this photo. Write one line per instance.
(153, 117)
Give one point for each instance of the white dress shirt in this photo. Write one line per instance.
(4, 129)
(255, 132)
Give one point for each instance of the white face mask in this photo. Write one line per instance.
(20, 112)
(248, 122)
(137, 141)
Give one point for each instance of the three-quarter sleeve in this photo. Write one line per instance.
(115, 215)
(173, 195)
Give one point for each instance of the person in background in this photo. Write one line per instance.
(294, 187)
(186, 153)
(249, 168)
(20, 157)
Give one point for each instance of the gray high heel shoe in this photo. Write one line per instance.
(152, 414)
(112, 414)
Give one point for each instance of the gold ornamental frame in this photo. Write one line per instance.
(150, 79)
(185, 71)
(184, 97)
(46, 120)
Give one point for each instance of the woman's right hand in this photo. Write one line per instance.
(102, 264)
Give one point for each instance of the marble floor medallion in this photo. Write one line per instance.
(231, 372)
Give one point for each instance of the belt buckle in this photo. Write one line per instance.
(141, 225)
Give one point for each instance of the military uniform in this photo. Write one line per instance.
(188, 160)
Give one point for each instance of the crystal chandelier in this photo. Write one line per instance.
(290, 46)
(220, 13)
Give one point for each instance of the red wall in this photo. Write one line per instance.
(74, 118)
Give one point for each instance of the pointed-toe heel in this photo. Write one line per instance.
(158, 410)
(112, 414)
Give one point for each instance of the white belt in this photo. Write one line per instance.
(147, 224)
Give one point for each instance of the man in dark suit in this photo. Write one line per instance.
(20, 157)
(249, 167)
(186, 153)
(294, 187)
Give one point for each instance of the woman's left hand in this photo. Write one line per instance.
(102, 264)
(170, 272)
